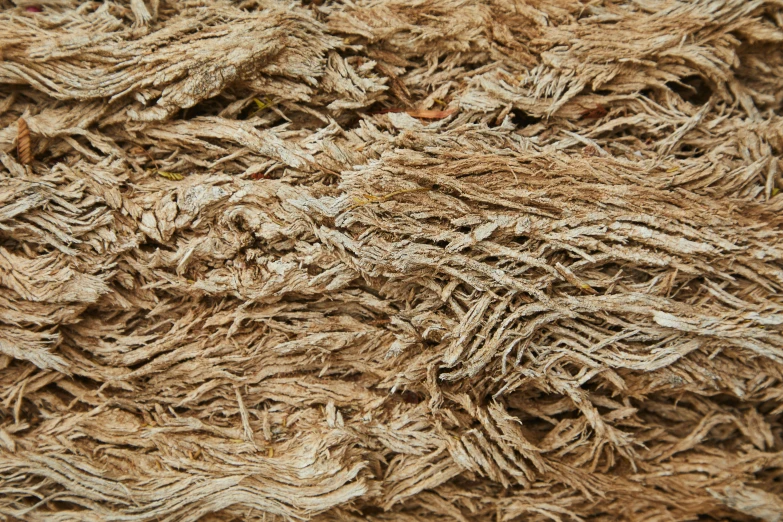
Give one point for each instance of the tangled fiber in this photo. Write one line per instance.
(391, 260)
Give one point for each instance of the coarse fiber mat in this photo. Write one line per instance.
(391, 260)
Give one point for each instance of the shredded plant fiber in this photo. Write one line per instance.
(391, 260)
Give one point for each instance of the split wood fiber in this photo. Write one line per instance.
(391, 260)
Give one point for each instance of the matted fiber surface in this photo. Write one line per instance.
(391, 260)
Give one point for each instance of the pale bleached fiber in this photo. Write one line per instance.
(391, 260)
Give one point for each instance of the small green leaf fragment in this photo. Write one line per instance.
(173, 176)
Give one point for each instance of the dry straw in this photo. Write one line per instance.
(391, 260)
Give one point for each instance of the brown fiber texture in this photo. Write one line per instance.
(391, 260)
